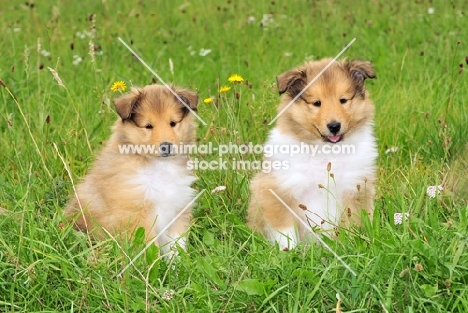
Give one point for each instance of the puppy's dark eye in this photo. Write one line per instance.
(149, 126)
(343, 101)
(173, 124)
(317, 103)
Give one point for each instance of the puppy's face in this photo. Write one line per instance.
(333, 106)
(153, 116)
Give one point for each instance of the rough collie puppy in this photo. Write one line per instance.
(137, 180)
(330, 181)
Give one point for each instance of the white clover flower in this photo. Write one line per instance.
(430, 11)
(432, 191)
(251, 19)
(267, 20)
(45, 53)
(168, 295)
(204, 52)
(398, 218)
(77, 59)
(392, 150)
(84, 34)
(191, 50)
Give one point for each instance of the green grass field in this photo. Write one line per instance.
(50, 135)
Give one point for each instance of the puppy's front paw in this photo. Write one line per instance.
(286, 242)
(287, 238)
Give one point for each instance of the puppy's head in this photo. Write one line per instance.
(334, 105)
(154, 117)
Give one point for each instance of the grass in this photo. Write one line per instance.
(47, 130)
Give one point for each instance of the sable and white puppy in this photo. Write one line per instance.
(330, 183)
(137, 180)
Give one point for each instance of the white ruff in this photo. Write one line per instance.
(166, 186)
(307, 170)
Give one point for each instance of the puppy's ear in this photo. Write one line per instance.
(189, 97)
(292, 82)
(126, 103)
(360, 70)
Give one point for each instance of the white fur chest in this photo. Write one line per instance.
(166, 185)
(306, 168)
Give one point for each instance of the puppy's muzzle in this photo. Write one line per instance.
(165, 149)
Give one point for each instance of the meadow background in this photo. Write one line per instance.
(50, 135)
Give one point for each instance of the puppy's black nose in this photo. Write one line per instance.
(165, 149)
(334, 127)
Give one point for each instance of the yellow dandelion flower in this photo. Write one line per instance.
(208, 100)
(235, 78)
(224, 89)
(119, 86)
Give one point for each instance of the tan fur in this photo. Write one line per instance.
(308, 123)
(357, 201)
(457, 178)
(107, 197)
